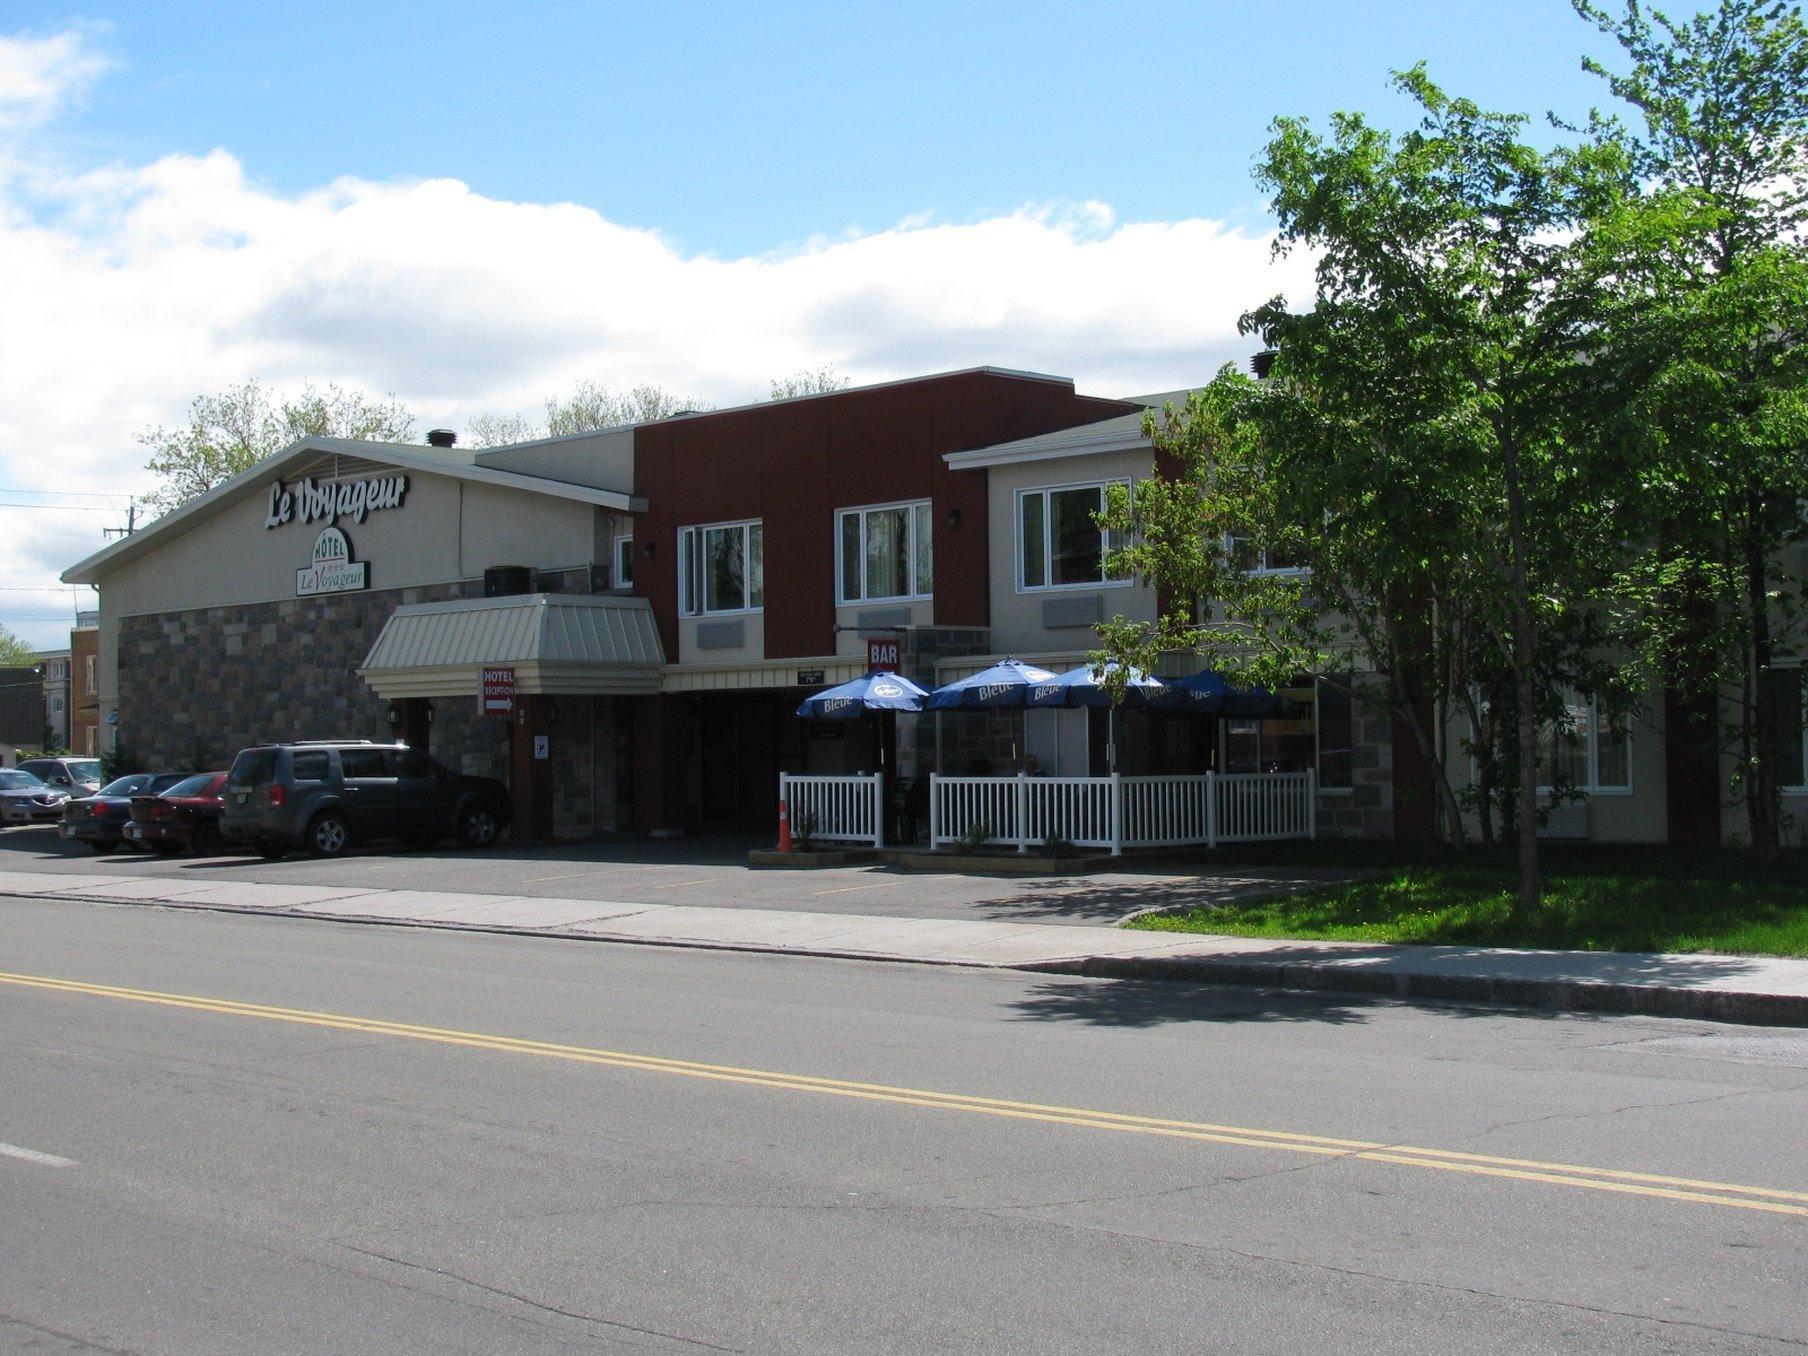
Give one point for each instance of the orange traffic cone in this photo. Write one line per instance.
(784, 824)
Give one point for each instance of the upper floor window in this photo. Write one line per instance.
(1587, 748)
(885, 552)
(88, 673)
(623, 563)
(1059, 541)
(721, 568)
(1246, 556)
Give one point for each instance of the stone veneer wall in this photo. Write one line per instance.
(1367, 809)
(196, 687)
(584, 750)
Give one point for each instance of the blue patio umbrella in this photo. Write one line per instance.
(1004, 684)
(1210, 694)
(1085, 686)
(875, 691)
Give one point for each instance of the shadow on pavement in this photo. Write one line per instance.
(1149, 1003)
(1079, 899)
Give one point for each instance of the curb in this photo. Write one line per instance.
(1583, 996)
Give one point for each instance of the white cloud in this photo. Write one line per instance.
(39, 77)
(131, 289)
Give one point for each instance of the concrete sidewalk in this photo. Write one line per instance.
(1718, 988)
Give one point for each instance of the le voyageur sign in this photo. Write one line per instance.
(333, 569)
(330, 500)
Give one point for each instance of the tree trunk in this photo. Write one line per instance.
(1525, 691)
(1761, 804)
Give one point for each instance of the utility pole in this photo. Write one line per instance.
(131, 522)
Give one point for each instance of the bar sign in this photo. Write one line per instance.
(881, 655)
(498, 694)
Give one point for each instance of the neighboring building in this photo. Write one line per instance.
(656, 599)
(85, 686)
(21, 713)
(55, 664)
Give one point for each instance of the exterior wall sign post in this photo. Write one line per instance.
(496, 692)
(882, 654)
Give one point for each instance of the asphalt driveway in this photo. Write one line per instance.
(705, 871)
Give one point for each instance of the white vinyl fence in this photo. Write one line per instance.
(1120, 812)
(838, 809)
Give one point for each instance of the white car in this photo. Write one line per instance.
(26, 800)
(71, 776)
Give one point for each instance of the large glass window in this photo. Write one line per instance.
(721, 568)
(1059, 542)
(886, 552)
(1246, 556)
(1587, 747)
(1317, 734)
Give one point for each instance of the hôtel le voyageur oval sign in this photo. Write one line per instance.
(333, 569)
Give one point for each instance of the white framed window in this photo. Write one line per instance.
(1245, 556)
(622, 563)
(88, 674)
(1786, 726)
(1587, 749)
(721, 568)
(884, 552)
(1059, 542)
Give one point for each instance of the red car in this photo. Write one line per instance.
(186, 815)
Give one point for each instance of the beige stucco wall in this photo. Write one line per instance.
(1017, 616)
(604, 460)
(852, 643)
(753, 635)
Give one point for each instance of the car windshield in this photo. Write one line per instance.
(84, 769)
(191, 786)
(12, 779)
(130, 785)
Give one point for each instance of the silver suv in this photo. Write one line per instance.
(323, 796)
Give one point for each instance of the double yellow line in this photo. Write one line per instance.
(1689, 1189)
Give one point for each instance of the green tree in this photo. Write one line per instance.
(593, 406)
(15, 653)
(822, 380)
(1412, 445)
(234, 430)
(1701, 370)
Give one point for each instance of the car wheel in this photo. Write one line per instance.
(102, 849)
(328, 835)
(206, 840)
(477, 826)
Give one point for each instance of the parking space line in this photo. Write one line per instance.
(34, 1156)
(848, 889)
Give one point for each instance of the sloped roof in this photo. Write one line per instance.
(539, 628)
(457, 463)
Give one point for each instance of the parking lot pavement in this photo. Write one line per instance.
(705, 872)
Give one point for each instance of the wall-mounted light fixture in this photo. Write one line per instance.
(954, 517)
(647, 550)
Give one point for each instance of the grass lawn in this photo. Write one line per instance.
(1594, 900)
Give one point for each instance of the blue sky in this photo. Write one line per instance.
(474, 207)
(741, 128)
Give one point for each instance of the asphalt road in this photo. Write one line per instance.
(228, 1134)
(704, 872)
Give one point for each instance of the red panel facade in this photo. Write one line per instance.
(792, 464)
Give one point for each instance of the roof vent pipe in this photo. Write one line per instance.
(441, 437)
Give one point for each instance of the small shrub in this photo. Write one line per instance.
(803, 831)
(974, 838)
(1057, 846)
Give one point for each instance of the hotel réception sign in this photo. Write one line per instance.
(332, 569)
